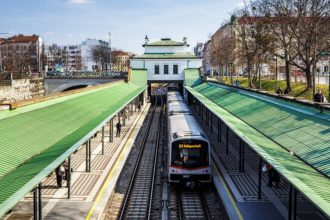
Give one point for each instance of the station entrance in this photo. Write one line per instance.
(170, 84)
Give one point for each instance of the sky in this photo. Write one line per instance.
(72, 21)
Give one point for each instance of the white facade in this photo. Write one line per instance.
(86, 53)
(166, 54)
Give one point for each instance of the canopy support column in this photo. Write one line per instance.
(207, 117)
(124, 116)
(243, 156)
(111, 129)
(211, 122)
(86, 156)
(132, 106)
(290, 203)
(40, 200)
(102, 140)
(89, 155)
(240, 156)
(219, 130)
(227, 139)
(68, 179)
(128, 112)
(259, 178)
(295, 193)
(35, 214)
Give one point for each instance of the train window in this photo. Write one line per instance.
(190, 155)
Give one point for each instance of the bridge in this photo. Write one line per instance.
(247, 129)
(55, 84)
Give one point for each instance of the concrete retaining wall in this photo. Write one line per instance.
(22, 89)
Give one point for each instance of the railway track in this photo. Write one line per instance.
(139, 197)
(197, 203)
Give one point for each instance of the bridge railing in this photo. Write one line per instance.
(85, 75)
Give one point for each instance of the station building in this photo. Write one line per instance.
(166, 60)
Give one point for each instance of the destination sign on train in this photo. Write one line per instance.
(190, 146)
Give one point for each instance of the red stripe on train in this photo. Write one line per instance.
(181, 168)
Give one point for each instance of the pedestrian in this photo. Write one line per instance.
(287, 91)
(237, 82)
(279, 91)
(273, 176)
(276, 178)
(139, 107)
(319, 97)
(66, 170)
(59, 171)
(270, 175)
(118, 127)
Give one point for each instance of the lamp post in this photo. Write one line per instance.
(329, 78)
(0, 52)
(109, 52)
(275, 57)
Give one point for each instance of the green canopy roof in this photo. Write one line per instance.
(273, 128)
(36, 139)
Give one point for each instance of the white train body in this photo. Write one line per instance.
(189, 149)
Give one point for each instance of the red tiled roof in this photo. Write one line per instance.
(119, 53)
(22, 39)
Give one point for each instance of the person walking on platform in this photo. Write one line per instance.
(273, 176)
(59, 171)
(118, 127)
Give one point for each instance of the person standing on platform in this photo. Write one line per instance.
(139, 107)
(319, 97)
(118, 127)
(279, 91)
(273, 176)
(59, 171)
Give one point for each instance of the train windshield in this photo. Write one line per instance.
(190, 153)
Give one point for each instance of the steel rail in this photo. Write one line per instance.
(137, 164)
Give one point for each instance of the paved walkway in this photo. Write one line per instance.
(89, 190)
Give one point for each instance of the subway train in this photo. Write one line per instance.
(188, 148)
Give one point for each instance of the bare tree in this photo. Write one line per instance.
(301, 33)
(100, 54)
(253, 40)
(312, 36)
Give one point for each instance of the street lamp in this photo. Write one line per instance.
(275, 57)
(0, 52)
(109, 52)
(329, 78)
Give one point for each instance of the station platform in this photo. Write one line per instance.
(89, 190)
(239, 190)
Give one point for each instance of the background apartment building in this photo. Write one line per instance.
(21, 54)
(120, 60)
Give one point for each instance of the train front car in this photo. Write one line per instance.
(189, 151)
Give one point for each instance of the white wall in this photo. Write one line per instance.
(150, 66)
(162, 49)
